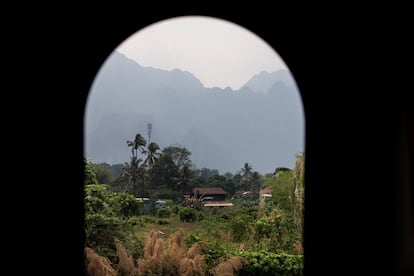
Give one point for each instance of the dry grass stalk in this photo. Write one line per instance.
(174, 252)
(298, 247)
(177, 241)
(141, 267)
(126, 264)
(228, 267)
(193, 263)
(173, 259)
(97, 265)
(150, 244)
(154, 246)
(153, 254)
(225, 236)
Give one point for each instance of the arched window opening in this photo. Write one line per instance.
(194, 143)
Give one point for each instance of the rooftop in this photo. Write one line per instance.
(210, 191)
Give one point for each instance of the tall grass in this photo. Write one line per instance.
(153, 255)
(161, 257)
(228, 267)
(97, 265)
(126, 265)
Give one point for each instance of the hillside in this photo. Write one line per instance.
(221, 127)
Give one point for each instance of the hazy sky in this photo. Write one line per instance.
(217, 52)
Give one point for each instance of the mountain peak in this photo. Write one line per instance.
(263, 73)
(210, 122)
(263, 81)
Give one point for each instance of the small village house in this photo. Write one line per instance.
(211, 196)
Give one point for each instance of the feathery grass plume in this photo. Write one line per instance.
(178, 240)
(141, 267)
(150, 244)
(261, 213)
(244, 246)
(153, 255)
(228, 267)
(97, 265)
(126, 264)
(174, 253)
(225, 236)
(298, 247)
(193, 263)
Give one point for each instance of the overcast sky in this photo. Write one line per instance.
(217, 52)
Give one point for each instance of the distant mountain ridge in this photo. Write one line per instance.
(262, 82)
(222, 128)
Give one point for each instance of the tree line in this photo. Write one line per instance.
(169, 173)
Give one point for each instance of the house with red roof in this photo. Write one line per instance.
(211, 197)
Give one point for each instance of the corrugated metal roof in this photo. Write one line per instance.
(210, 191)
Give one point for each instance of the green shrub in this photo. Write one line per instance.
(214, 253)
(189, 214)
(96, 199)
(168, 202)
(134, 246)
(164, 212)
(125, 205)
(134, 220)
(239, 226)
(101, 232)
(149, 220)
(264, 227)
(269, 263)
(190, 239)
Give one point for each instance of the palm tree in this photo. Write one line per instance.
(152, 157)
(185, 178)
(152, 154)
(133, 170)
(255, 182)
(142, 172)
(246, 171)
(138, 143)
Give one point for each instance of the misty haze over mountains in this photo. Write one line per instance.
(262, 123)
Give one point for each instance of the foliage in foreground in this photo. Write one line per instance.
(109, 218)
(268, 232)
(172, 256)
(269, 263)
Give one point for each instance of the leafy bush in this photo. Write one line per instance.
(101, 232)
(214, 254)
(269, 263)
(176, 209)
(164, 212)
(125, 205)
(134, 246)
(168, 202)
(134, 220)
(149, 220)
(96, 199)
(264, 227)
(90, 174)
(239, 226)
(189, 215)
(100, 199)
(190, 239)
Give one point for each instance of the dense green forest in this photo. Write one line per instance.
(127, 235)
